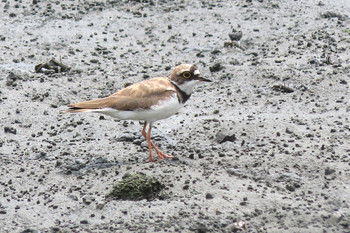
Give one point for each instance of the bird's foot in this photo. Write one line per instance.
(160, 154)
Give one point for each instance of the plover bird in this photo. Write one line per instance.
(149, 101)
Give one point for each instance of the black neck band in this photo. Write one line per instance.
(182, 96)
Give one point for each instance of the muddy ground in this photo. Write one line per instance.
(264, 146)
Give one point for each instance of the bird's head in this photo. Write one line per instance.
(186, 76)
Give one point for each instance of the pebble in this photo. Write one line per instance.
(8, 129)
(225, 137)
(88, 200)
(209, 196)
(11, 79)
(216, 67)
(236, 36)
(126, 137)
(84, 222)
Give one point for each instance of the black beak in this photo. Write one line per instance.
(203, 79)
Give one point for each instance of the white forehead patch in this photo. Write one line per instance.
(196, 72)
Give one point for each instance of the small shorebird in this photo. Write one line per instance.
(148, 101)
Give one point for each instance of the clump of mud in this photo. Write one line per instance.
(136, 187)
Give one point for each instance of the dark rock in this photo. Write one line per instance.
(236, 36)
(237, 172)
(209, 196)
(330, 14)
(88, 200)
(328, 171)
(73, 197)
(10, 130)
(200, 54)
(215, 51)
(330, 174)
(55, 229)
(101, 163)
(217, 67)
(94, 60)
(282, 88)
(126, 137)
(11, 79)
(30, 231)
(199, 228)
(288, 131)
(292, 186)
(225, 137)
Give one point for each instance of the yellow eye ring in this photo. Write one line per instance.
(187, 74)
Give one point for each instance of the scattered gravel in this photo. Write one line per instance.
(263, 148)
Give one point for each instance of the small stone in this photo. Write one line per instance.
(73, 197)
(200, 228)
(84, 222)
(11, 79)
(330, 14)
(225, 137)
(292, 186)
(336, 217)
(126, 137)
(243, 203)
(236, 227)
(88, 200)
(209, 196)
(215, 51)
(330, 174)
(328, 171)
(342, 81)
(237, 172)
(28, 230)
(235, 36)
(55, 229)
(94, 60)
(10, 130)
(216, 67)
(288, 131)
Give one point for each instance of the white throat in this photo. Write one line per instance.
(187, 87)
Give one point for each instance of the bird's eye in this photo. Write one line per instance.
(187, 74)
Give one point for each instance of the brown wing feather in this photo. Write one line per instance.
(145, 88)
(141, 95)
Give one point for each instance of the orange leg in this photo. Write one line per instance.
(148, 141)
(160, 154)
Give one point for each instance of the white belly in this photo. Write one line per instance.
(162, 110)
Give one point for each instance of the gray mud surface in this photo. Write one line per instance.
(265, 145)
